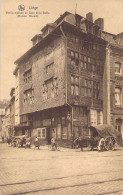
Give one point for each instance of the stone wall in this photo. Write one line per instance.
(53, 51)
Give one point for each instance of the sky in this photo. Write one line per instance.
(16, 32)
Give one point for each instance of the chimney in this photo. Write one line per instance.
(89, 16)
(100, 22)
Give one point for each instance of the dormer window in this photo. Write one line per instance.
(36, 39)
(118, 68)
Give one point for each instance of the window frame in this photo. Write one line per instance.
(120, 65)
(116, 96)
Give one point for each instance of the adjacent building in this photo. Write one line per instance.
(12, 111)
(60, 79)
(6, 122)
(2, 113)
(115, 76)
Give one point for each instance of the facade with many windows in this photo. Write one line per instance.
(61, 80)
(116, 79)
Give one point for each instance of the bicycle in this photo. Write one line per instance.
(54, 147)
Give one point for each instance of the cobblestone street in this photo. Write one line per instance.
(35, 172)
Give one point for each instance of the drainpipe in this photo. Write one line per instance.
(106, 88)
(66, 82)
(108, 85)
(65, 63)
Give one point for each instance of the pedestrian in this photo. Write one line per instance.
(53, 144)
(3, 139)
(80, 141)
(8, 140)
(101, 145)
(28, 143)
(37, 144)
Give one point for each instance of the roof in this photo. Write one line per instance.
(33, 49)
(112, 39)
(62, 17)
(15, 70)
(37, 35)
(50, 24)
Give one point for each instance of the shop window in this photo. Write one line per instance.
(118, 68)
(64, 132)
(39, 132)
(43, 133)
(59, 131)
(118, 127)
(118, 96)
(118, 124)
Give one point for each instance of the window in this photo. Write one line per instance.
(43, 133)
(50, 88)
(74, 85)
(87, 63)
(118, 96)
(86, 45)
(90, 88)
(100, 117)
(28, 76)
(95, 90)
(74, 58)
(49, 67)
(87, 89)
(29, 96)
(39, 132)
(117, 68)
(118, 124)
(93, 117)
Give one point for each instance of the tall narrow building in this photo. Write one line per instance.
(61, 79)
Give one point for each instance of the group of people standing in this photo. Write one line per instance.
(38, 144)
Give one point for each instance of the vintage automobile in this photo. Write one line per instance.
(108, 132)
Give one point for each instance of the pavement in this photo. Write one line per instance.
(68, 171)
